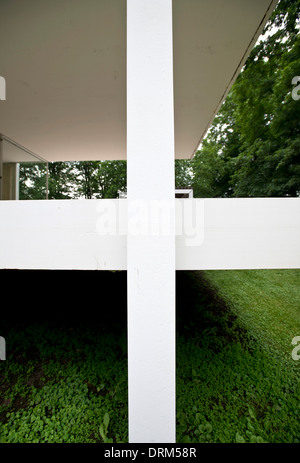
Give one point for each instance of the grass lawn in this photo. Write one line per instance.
(267, 303)
(65, 377)
(236, 379)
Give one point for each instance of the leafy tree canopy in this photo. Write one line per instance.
(253, 146)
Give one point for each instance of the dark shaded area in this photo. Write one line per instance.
(68, 298)
(71, 306)
(67, 304)
(70, 318)
(56, 309)
(197, 303)
(61, 295)
(201, 311)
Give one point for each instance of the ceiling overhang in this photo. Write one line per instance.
(64, 63)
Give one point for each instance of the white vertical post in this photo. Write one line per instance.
(17, 190)
(151, 222)
(1, 165)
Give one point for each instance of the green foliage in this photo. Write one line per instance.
(234, 382)
(66, 381)
(252, 148)
(59, 382)
(61, 179)
(183, 173)
(104, 430)
(101, 179)
(209, 167)
(32, 184)
(71, 180)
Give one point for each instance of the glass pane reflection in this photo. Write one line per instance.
(23, 174)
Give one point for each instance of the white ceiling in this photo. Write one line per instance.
(64, 62)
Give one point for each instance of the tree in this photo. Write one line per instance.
(252, 148)
(68, 180)
(100, 179)
(61, 180)
(183, 173)
(32, 180)
(209, 166)
(112, 178)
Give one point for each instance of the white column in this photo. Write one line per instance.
(1, 165)
(151, 235)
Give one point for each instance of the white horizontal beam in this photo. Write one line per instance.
(91, 234)
(242, 233)
(61, 235)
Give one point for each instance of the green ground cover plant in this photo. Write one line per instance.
(64, 384)
(65, 378)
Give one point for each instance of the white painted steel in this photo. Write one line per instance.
(62, 235)
(92, 234)
(2, 88)
(241, 233)
(150, 257)
(1, 164)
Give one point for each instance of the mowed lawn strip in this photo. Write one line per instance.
(266, 301)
